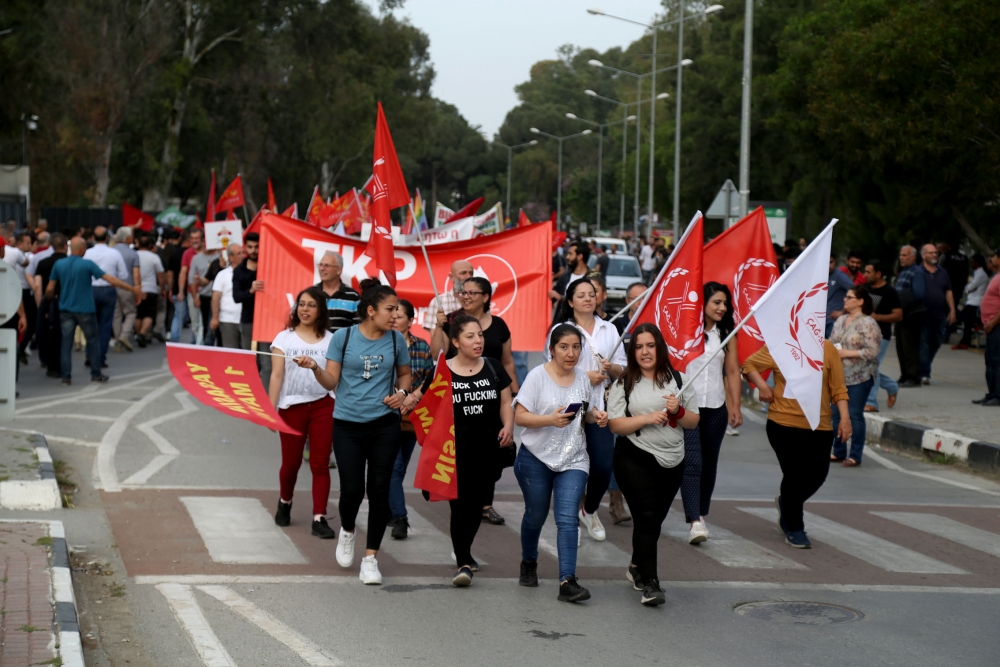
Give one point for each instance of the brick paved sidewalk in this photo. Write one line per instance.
(27, 633)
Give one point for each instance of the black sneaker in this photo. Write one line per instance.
(492, 516)
(798, 540)
(473, 565)
(632, 574)
(142, 341)
(399, 527)
(571, 591)
(100, 379)
(283, 516)
(463, 578)
(322, 530)
(529, 573)
(652, 594)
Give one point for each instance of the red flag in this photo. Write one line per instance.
(197, 223)
(522, 219)
(210, 207)
(552, 219)
(316, 206)
(231, 215)
(675, 301)
(232, 197)
(558, 238)
(133, 217)
(389, 191)
(357, 213)
(467, 210)
(272, 204)
(227, 380)
(335, 211)
(742, 258)
(254, 225)
(292, 211)
(434, 423)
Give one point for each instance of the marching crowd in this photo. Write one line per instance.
(605, 414)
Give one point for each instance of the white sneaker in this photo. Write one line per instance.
(732, 431)
(594, 526)
(699, 532)
(369, 574)
(345, 549)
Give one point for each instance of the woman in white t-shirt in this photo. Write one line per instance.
(305, 406)
(717, 390)
(553, 459)
(599, 340)
(649, 408)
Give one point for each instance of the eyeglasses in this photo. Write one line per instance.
(468, 293)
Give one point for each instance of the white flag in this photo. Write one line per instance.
(792, 319)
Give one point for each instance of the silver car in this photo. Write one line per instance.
(623, 270)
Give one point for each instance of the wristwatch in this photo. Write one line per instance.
(405, 393)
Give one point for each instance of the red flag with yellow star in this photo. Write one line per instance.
(232, 197)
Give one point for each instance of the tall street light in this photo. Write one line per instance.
(560, 140)
(510, 152)
(745, 114)
(655, 28)
(600, 154)
(652, 129)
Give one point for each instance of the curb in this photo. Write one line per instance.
(916, 439)
(41, 494)
(70, 642)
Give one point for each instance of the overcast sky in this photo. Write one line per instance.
(481, 49)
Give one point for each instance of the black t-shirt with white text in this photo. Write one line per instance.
(885, 299)
(477, 404)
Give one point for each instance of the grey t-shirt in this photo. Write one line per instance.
(131, 258)
(663, 442)
(199, 264)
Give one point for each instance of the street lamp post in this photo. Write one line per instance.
(600, 154)
(745, 114)
(560, 140)
(510, 152)
(655, 27)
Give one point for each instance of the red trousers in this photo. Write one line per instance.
(315, 420)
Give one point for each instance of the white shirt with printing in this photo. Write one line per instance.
(109, 260)
(601, 342)
(300, 384)
(229, 310)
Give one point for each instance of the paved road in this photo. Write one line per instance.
(177, 496)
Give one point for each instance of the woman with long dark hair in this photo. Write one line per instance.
(475, 298)
(649, 408)
(717, 390)
(602, 359)
(369, 366)
(305, 405)
(552, 406)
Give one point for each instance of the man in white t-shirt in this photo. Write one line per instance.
(225, 311)
(647, 260)
(19, 256)
(153, 280)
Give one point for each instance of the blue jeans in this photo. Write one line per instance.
(397, 501)
(993, 363)
(884, 381)
(105, 300)
(538, 485)
(520, 366)
(856, 395)
(932, 334)
(67, 325)
(601, 450)
(180, 314)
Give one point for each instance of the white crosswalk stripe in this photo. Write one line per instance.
(240, 530)
(426, 545)
(949, 529)
(590, 554)
(729, 549)
(864, 546)
(192, 619)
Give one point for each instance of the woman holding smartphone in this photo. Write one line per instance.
(552, 406)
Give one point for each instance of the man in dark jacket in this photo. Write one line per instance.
(910, 287)
(245, 288)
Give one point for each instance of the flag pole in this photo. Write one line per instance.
(427, 261)
(246, 216)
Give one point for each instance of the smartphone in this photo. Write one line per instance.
(572, 408)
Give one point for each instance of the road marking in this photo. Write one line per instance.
(88, 392)
(167, 451)
(309, 652)
(591, 553)
(63, 415)
(431, 546)
(864, 546)
(892, 465)
(949, 529)
(105, 461)
(728, 548)
(240, 530)
(351, 580)
(189, 615)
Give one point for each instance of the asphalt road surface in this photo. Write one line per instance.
(905, 568)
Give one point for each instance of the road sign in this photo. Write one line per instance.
(728, 198)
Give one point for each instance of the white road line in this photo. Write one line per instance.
(864, 546)
(426, 545)
(892, 465)
(949, 529)
(728, 548)
(350, 580)
(590, 553)
(167, 451)
(105, 461)
(91, 391)
(62, 415)
(105, 400)
(189, 615)
(309, 652)
(240, 530)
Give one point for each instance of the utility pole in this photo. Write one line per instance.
(745, 115)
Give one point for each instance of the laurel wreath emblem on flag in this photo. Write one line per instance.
(794, 327)
(683, 302)
(737, 300)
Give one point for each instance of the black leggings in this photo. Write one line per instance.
(701, 461)
(376, 444)
(804, 457)
(476, 473)
(649, 489)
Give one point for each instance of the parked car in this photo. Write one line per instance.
(623, 270)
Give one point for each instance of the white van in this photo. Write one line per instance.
(611, 245)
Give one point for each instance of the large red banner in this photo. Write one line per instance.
(518, 263)
(227, 380)
(434, 423)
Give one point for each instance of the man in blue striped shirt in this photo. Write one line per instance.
(341, 300)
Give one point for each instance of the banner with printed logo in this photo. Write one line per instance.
(518, 264)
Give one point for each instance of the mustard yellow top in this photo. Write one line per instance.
(786, 411)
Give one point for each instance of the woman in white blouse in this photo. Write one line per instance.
(717, 391)
(600, 340)
(649, 408)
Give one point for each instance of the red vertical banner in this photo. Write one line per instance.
(434, 423)
(389, 191)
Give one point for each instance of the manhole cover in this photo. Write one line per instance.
(798, 613)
